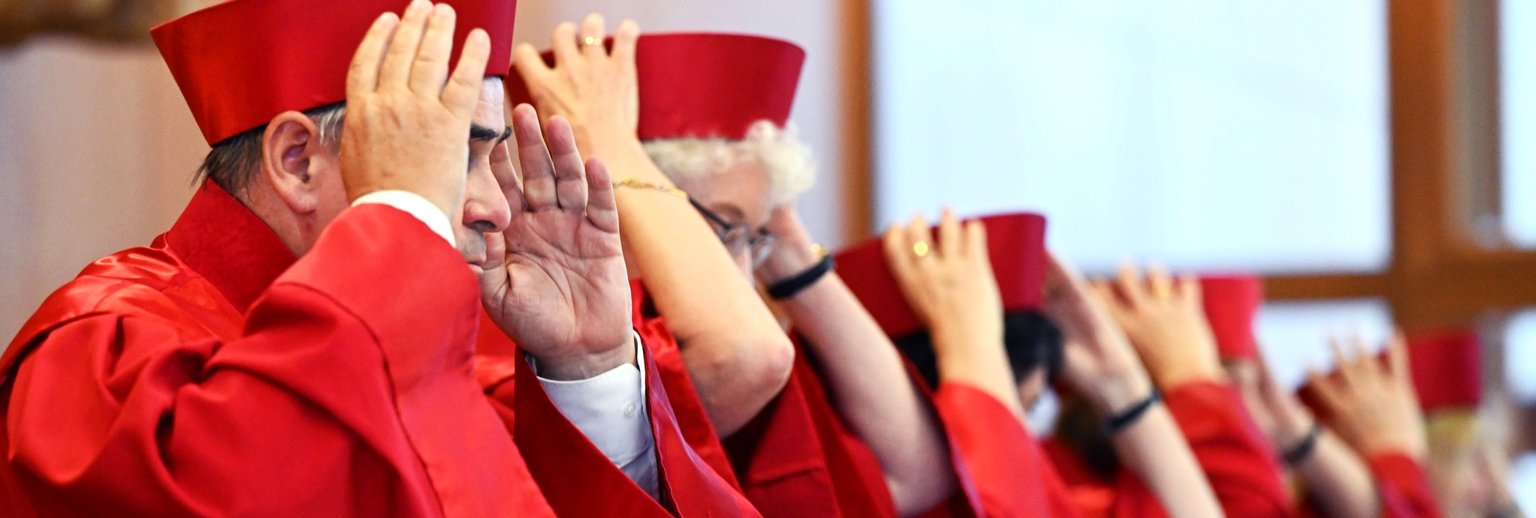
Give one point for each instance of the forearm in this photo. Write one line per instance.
(873, 392)
(1154, 449)
(980, 361)
(734, 349)
(1338, 480)
(1238, 461)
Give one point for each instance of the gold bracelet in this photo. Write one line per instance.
(640, 184)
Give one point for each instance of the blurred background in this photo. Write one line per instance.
(1375, 160)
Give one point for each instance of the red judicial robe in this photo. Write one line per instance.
(798, 458)
(1234, 455)
(1403, 486)
(211, 373)
(1011, 474)
(576, 477)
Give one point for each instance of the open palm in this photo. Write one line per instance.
(556, 281)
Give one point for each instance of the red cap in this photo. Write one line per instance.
(1231, 303)
(1015, 243)
(707, 85)
(1447, 368)
(240, 63)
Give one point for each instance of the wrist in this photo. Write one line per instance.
(1117, 393)
(1299, 449)
(790, 257)
(583, 366)
(620, 149)
(1289, 431)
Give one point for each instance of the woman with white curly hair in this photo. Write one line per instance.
(695, 127)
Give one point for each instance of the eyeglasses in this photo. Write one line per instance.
(737, 237)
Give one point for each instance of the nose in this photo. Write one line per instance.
(485, 205)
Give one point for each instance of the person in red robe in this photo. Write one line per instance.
(834, 439)
(300, 341)
(1466, 461)
(962, 302)
(1163, 319)
(1374, 406)
(1329, 478)
(1097, 361)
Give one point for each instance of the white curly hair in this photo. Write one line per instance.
(782, 154)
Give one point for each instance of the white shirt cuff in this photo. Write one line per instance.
(610, 409)
(415, 205)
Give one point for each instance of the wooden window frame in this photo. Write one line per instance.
(1444, 111)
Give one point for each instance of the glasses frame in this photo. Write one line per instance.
(738, 237)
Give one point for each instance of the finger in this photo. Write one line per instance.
(1129, 285)
(1343, 363)
(430, 68)
(1397, 356)
(1187, 288)
(921, 239)
(563, 42)
(396, 70)
(949, 235)
(1159, 281)
(463, 88)
(1365, 365)
(976, 242)
(1059, 275)
(1326, 390)
(533, 154)
(529, 64)
(1108, 298)
(898, 255)
(363, 74)
(570, 173)
(602, 209)
(624, 40)
(506, 177)
(593, 28)
(1266, 377)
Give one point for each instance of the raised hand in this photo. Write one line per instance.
(951, 288)
(948, 283)
(1370, 404)
(1165, 322)
(1098, 362)
(1277, 411)
(592, 87)
(793, 251)
(555, 280)
(407, 120)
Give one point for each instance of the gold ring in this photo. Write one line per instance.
(920, 249)
(1162, 290)
(591, 41)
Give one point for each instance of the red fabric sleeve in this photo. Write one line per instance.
(1010, 471)
(350, 393)
(1403, 486)
(1236, 458)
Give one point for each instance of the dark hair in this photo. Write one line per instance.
(233, 162)
(1031, 340)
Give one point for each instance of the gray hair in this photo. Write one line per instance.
(786, 159)
(233, 162)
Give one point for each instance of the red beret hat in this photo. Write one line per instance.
(707, 85)
(240, 63)
(1015, 244)
(1447, 368)
(1231, 303)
